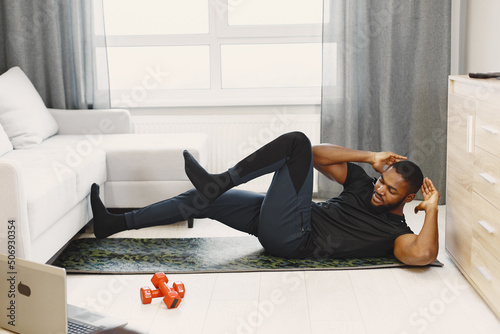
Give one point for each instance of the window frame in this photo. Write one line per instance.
(220, 33)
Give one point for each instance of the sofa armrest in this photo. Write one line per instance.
(106, 121)
(14, 228)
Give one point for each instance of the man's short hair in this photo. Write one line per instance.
(411, 173)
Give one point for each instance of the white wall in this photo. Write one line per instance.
(482, 42)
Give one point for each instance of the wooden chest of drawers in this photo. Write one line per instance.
(473, 183)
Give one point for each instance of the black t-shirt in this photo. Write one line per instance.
(347, 226)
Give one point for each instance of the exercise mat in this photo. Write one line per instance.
(193, 255)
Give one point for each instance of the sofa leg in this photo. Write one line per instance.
(190, 222)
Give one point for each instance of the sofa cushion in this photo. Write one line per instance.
(151, 157)
(23, 114)
(54, 184)
(89, 166)
(49, 195)
(5, 144)
(136, 157)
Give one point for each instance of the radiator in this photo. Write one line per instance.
(233, 137)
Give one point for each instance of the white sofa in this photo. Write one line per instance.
(49, 158)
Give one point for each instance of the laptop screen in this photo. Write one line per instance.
(33, 299)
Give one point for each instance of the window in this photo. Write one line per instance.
(213, 52)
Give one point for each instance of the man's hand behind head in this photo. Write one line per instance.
(382, 159)
(431, 196)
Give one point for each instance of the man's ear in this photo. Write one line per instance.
(409, 198)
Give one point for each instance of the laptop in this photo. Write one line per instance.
(33, 300)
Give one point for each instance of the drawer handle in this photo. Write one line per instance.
(486, 226)
(490, 179)
(489, 129)
(485, 273)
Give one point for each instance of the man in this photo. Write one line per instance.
(365, 220)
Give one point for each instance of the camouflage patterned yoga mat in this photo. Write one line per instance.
(193, 255)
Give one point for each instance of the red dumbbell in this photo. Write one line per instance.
(147, 294)
(171, 298)
(179, 287)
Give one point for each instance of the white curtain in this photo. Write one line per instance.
(385, 69)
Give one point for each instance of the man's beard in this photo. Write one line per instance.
(383, 207)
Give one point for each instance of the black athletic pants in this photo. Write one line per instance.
(280, 218)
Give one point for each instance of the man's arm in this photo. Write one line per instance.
(331, 160)
(422, 249)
